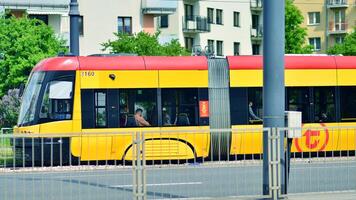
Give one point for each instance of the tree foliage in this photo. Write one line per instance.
(9, 108)
(294, 33)
(347, 48)
(23, 43)
(144, 44)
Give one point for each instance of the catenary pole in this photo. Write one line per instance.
(74, 27)
(273, 81)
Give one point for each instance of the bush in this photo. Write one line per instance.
(9, 108)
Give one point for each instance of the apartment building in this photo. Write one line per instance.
(101, 20)
(222, 27)
(327, 21)
(53, 13)
(98, 20)
(219, 26)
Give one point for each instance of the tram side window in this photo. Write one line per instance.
(180, 107)
(138, 107)
(347, 103)
(324, 104)
(100, 109)
(255, 109)
(57, 100)
(298, 100)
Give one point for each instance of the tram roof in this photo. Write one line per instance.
(188, 63)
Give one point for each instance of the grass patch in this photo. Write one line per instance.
(6, 153)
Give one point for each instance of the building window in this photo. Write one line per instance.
(188, 11)
(211, 15)
(315, 42)
(43, 18)
(81, 25)
(189, 43)
(164, 21)
(219, 48)
(339, 39)
(340, 19)
(236, 48)
(100, 109)
(236, 19)
(124, 25)
(255, 21)
(219, 16)
(255, 49)
(313, 18)
(211, 46)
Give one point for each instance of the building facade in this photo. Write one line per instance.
(327, 21)
(222, 27)
(101, 20)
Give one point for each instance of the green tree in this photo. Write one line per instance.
(23, 43)
(347, 48)
(294, 33)
(143, 44)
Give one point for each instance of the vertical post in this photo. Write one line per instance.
(74, 27)
(273, 79)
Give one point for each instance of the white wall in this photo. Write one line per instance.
(100, 21)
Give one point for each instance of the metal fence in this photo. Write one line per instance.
(174, 164)
(323, 160)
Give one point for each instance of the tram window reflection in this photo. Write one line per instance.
(324, 104)
(138, 106)
(298, 100)
(180, 107)
(348, 102)
(255, 109)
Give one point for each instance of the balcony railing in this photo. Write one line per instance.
(257, 33)
(159, 7)
(337, 4)
(256, 5)
(337, 28)
(195, 24)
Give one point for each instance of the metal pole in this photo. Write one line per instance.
(273, 80)
(74, 27)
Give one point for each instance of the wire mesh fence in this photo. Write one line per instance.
(203, 163)
(169, 163)
(322, 160)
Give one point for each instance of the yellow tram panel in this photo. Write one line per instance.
(119, 79)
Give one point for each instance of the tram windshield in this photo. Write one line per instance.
(48, 97)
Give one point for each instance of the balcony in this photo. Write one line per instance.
(337, 28)
(256, 5)
(337, 4)
(195, 24)
(37, 6)
(257, 33)
(159, 7)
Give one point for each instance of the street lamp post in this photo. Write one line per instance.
(273, 81)
(74, 27)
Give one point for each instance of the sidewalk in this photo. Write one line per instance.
(327, 196)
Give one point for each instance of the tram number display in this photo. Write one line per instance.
(88, 73)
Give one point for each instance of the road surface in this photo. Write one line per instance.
(198, 180)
